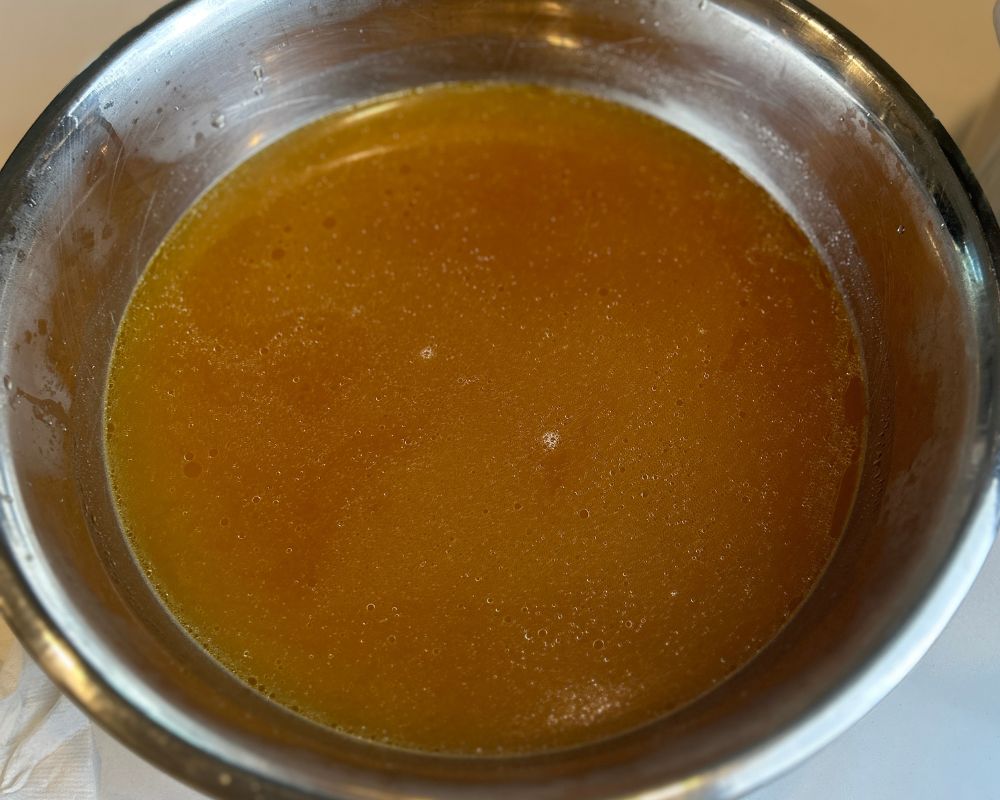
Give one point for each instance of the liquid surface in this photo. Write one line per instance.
(485, 419)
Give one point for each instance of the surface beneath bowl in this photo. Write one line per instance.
(946, 197)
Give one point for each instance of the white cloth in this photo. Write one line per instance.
(47, 747)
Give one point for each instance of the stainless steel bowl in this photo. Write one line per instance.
(791, 97)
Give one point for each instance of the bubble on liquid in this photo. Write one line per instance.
(255, 499)
(427, 353)
(192, 469)
(901, 229)
(550, 439)
(218, 120)
(370, 607)
(598, 644)
(189, 456)
(584, 513)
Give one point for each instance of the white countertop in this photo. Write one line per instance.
(937, 736)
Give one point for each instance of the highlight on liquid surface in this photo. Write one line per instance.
(485, 419)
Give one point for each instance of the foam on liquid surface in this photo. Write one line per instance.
(485, 419)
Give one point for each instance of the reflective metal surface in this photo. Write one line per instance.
(785, 93)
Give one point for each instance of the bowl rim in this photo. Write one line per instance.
(44, 638)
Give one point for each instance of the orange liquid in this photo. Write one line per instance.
(485, 419)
